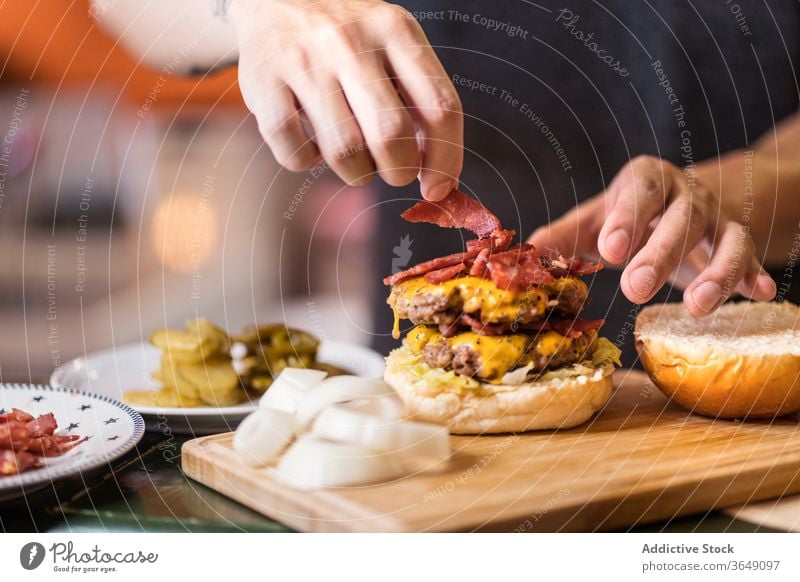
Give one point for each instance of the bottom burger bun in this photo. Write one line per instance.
(437, 396)
(743, 361)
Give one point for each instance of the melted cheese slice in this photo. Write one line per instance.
(551, 342)
(499, 354)
(475, 294)
(420, 336)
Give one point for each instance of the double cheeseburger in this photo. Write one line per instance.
(497, 343)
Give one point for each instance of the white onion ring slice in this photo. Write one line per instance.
(339, 389)
(263, 435)
(290, 387)
(410, 441)
(314, 462)
(384, 407)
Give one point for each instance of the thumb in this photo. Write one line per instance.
(575, 233)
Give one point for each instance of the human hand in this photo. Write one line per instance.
(364, 79)
(667, 226)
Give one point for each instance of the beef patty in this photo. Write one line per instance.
(489, 358)
(441, 304)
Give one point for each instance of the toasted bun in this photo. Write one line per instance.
(741, 361)
(556, 403)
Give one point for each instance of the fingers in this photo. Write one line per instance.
(435, 105)
(344, 64)
(639, 194)
(336, 130)
(680, 229)
(575, 233)
(384, 121)
(757, 284)
(731, 260)
(279, 124)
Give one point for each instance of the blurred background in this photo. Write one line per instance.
(132, 199)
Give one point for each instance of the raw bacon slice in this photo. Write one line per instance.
(456, 211)
(442, 275)
(518, 268)
(432, 265)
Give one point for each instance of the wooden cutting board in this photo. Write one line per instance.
(641, 459)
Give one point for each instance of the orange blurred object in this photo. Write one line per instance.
(185, 231)
(57, 43)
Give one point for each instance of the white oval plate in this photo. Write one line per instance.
(109, 429)
(129, 367)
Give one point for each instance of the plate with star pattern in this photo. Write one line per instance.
(107, 430)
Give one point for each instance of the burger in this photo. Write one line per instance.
(497, 344)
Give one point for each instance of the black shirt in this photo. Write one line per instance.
(558, 96)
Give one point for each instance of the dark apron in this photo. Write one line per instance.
(558, 96)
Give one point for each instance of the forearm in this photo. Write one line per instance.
(759, 187)
(180, 36)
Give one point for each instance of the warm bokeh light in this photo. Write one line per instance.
(185, 231)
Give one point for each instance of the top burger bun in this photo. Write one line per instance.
(743, 361)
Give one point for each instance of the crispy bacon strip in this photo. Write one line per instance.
(481, 327)
(13, 435)
(575, 328)
(499, 241)
(479, 268)
(474, 248)
(518, 268)
(52, 446)
(16, 415)
(456, 211)
(432, 265)
(23, 439)
(12, 463)
(465, 320)
(488, 256)
(567, 327)
(445, 274)
(563, 267)
(502, 239)
(45, 425)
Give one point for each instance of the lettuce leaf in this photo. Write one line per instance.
(438, 380)
(605, 353)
